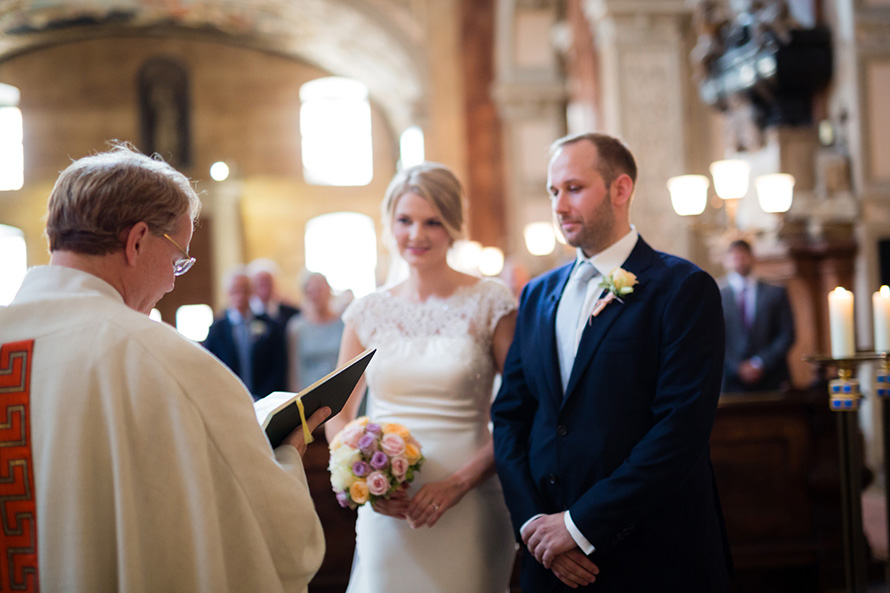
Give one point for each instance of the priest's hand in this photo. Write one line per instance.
(312, 422)
(547, 537)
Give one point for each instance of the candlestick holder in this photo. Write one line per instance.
(844, 398)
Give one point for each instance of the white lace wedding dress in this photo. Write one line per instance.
(433, 372)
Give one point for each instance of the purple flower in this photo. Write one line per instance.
(343, 499)
(367, 443)
(373, 428)
(379, 460)
(361, 469)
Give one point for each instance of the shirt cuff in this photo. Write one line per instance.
(524, 525)
(756, 362)
(576, 534)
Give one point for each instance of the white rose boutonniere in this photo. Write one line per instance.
(257, 328)
(617, 284)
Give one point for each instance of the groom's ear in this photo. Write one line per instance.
(622, 188)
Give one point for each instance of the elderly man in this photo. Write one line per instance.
(252, 344)
(140, 463)
(265, 299)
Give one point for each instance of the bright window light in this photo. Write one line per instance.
(13, 262)
(343, 247)
(335, 123)
(12, 151)
(155, 315)
(411, 147)
(193, 321)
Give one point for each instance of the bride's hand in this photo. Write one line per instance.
(433, 500)
(394, 506)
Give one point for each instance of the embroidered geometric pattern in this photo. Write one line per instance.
(18, 511)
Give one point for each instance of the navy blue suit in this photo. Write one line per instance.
(626, 450)
(268, 352)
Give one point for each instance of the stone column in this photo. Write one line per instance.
(647, 101)
(529, 91)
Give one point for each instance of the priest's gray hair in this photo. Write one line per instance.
(99, 197)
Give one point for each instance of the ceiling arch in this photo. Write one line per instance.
(378, 42)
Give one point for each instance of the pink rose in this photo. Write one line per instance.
(350, 435)
(378, 483)
(400, 466)
(392, 444)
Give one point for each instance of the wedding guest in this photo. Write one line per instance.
(759, 326)
(603, 419)
(313, 337)
(441, 336)
(263, 273)
(252, 345)
(141, 466)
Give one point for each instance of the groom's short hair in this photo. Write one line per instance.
(615, 157)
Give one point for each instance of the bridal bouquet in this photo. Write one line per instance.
(370, 461)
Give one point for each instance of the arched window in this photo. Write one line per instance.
(351, 268)
(12, 150)
(13, 262)
(335, 124)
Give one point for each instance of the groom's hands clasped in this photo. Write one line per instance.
(552, 545)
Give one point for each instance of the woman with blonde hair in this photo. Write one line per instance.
(441, 337)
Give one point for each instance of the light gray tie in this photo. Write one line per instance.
(568, 317)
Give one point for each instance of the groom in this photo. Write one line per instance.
(602, 422)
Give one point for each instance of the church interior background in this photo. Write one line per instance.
(484, 86)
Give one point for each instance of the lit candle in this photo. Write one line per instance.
(840, 316)
(881, 303)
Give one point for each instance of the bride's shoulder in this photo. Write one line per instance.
(494, 288)
(366, 304)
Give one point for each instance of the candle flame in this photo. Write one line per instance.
(840, 290)
(885, 292)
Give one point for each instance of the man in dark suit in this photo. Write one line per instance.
(265, 293)
(253, 346)
(602, 422)
(759, 326)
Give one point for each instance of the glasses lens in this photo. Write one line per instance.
(183, 265)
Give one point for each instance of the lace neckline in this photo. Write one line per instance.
(436, 299)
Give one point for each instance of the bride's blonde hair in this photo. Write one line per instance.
(436, 184)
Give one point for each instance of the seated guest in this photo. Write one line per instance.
(265, 299)
(313, 337)
(141, 466)
(253, 346)
(759, 326)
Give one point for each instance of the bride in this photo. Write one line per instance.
(441, 336)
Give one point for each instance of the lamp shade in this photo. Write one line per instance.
(775, 192)
(689, 194)
(731, 178)
(540, 238)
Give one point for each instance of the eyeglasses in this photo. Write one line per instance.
(183, 264)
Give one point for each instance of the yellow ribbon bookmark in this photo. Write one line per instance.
(307, 436)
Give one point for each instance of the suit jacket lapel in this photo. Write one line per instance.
(638, 262)
(550, 356)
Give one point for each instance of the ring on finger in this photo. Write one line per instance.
(435, 506)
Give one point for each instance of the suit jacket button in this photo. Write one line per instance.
(562, 430)
(552, 479)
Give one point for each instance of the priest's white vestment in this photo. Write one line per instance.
(150, 470)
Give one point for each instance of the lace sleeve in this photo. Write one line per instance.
(498, 301)
(356, 314)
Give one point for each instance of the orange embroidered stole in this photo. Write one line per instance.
(18, 506)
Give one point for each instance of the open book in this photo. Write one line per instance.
(278, 414)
